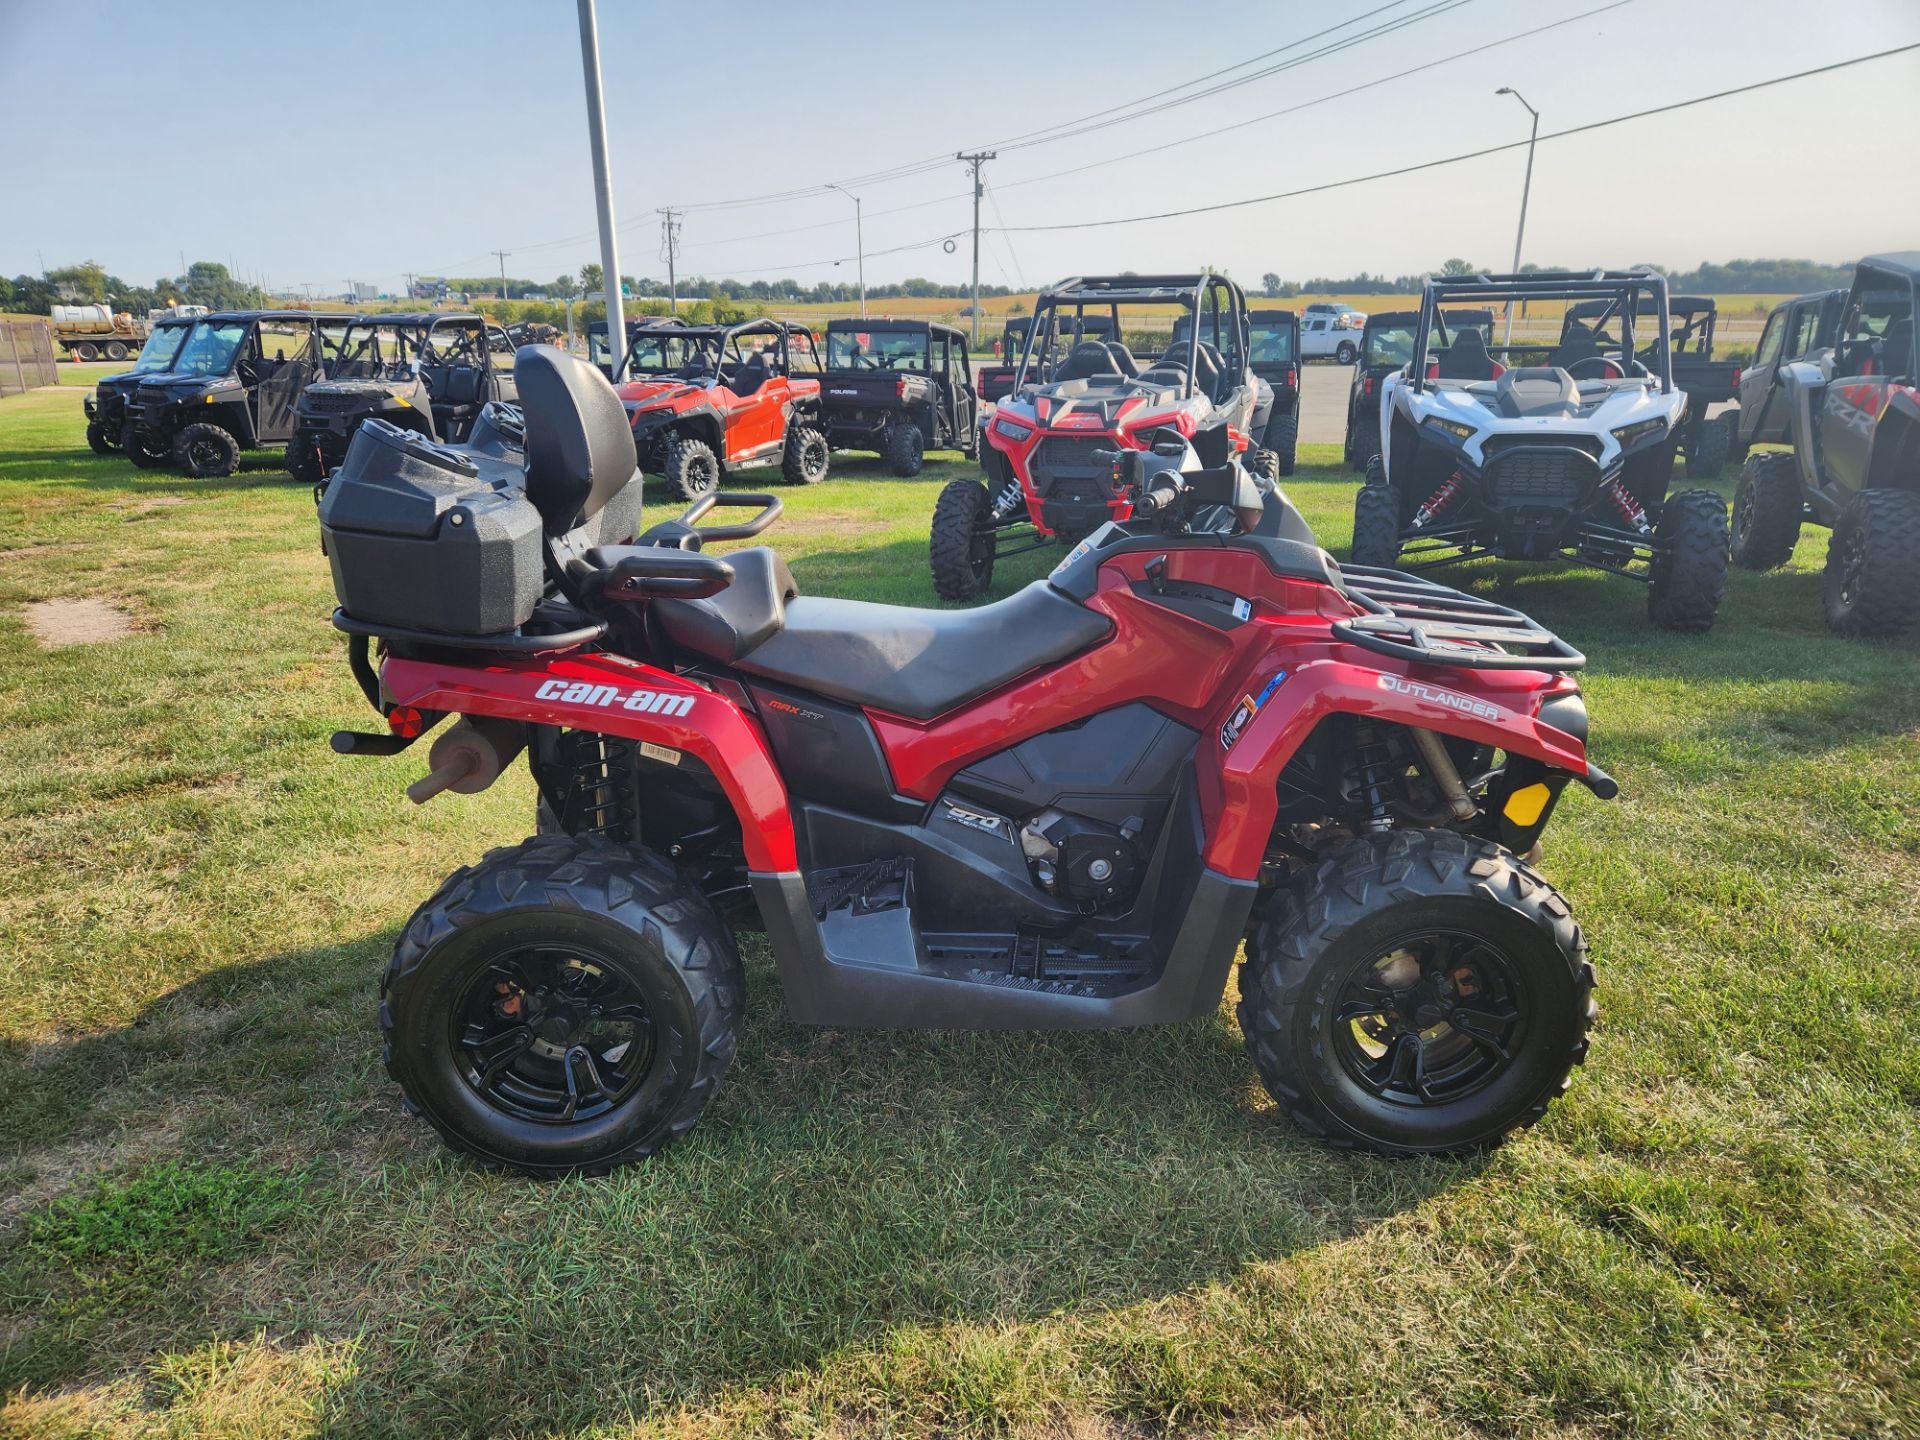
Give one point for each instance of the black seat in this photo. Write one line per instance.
(748, 379)
(1088, 360)
(918, 663)
(1576, 345)
(1123, 359)
(1467, 358)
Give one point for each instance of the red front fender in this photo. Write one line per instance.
(1238, 799)
(613, 696)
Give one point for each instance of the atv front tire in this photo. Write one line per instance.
(1689, 572)
(1872, 583)
(806, 458)
(1376, 521)
(1283, 438)
(1767, 509)
(206, 451)
(99, 441)
(1418, 992)
(692, 469)
(906, 450)
(961, 544)
(565, 1006)
(1707, 448)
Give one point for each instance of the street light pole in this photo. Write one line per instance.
(859, 244)
(603, 189)
(1526, 189)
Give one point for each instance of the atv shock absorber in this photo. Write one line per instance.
(1007, 501)
(1373, 774)
(1437, 502)
(1628, 508)
(601, 776)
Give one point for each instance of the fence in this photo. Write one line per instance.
(26, 356)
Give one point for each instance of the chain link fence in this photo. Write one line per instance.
(26, 356)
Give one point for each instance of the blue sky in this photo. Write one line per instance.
(323, 143)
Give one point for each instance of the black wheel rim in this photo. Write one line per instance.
(702, 475)
(1429, 1019)
(554, 1034)
(1853, 565)
(205, 455)
(814, 460)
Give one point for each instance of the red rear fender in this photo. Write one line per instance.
(622, 697)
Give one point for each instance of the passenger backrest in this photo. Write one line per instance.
(581, 463)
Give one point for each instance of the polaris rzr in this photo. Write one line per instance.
(1076, 396)
(1065, 810)
(1386, 344)
(425, 371)
(706, 401)
(107, 407)
(1565, 459)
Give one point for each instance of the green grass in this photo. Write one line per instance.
(215, 1219)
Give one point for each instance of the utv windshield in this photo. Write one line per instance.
(376, 352)
(1388, 346)
(666, 352)
(210, 348)
(161, 347)
(1271, 340)
(876, 350)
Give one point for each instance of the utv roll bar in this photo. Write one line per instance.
(1113, 291)
(1622, 289)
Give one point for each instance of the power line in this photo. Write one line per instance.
(1470, 154)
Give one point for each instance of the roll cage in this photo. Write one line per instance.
(712, 349)
(362, 353)
(1217, 305)
(1620, 295)
(1691, 319)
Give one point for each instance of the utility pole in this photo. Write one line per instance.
(976, 161)
(603, 190)
(503, 271)
(1526, 189)
(669, 243)
(859, 244)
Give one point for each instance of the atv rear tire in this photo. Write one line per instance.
(692, 469)
(523, 991)
(1872, 583)
(1767, 508)
(1417, 992)
(1689, 571)
(1706, 448)
(1376, 520)
(206, 451)
(99, 441)
(960, 547)
(806, 458)
(1283, 438)
(906, 450)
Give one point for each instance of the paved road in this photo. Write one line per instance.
(1323, 403)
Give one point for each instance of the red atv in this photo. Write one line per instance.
(708, 400)
(1064, 810)
(1079, 392)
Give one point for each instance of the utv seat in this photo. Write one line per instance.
(918, 663)
(1467, 358)
(1089, 360)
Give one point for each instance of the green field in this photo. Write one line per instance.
(215, 1220)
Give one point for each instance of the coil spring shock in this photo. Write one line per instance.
(1005, 502)
(1438, 501)
(1373, 773)
(602, 771)
(1628, 508)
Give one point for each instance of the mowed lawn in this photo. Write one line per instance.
(216, 1220)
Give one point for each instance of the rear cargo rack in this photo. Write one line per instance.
(511, 641)
(1414, 619)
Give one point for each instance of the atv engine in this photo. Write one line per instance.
(1082, 859)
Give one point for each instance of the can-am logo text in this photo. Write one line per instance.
(580, 692)
(1461, 703)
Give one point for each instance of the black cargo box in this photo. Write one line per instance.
(427, 537)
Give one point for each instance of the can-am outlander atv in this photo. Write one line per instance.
(1077, 395)
(1063, 810)
(1567, 458)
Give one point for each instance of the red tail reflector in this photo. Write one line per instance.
(406, 722)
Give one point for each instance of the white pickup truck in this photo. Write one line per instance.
(1331, 330)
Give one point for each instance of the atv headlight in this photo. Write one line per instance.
(1454, 428)
(1012, 430)
(1628, 435)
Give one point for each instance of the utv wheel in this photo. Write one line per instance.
(1689, 572)
(1872, 584)
(692, 469)
(1418, 992)
(805, 460)
(206, 452)
(1707, 450)
(1736, 447)
(1264, 463)
(1767, 507)
(303, 461)
(563, 1007)
(961, 544)
(1283, 438)
(1345, 353)
(144, 453)
(99, 441)
(906, 450)
(1376, 521)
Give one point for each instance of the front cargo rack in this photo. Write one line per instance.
(1415, 619)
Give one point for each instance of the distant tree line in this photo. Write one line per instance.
(587, 282)
(1734, 277)
(207, 282)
